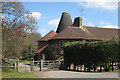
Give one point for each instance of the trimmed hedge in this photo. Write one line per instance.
(91, 54)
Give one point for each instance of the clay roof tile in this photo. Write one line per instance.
(48, 36)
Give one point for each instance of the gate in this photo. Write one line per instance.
(27, 66)
(50, 65)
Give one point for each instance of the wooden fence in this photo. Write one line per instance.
(42, 65)
(9, 66)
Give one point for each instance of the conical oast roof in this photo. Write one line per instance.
(65, 21)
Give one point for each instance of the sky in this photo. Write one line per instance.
(96, 14)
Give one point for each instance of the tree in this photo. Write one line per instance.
(16, 21)
(31, 41)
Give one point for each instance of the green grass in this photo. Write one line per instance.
(15, 74)
(28, 62)
(14, 61)
(21, 62)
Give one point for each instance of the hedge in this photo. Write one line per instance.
(91, 54)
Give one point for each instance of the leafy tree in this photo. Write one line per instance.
(15, 24)
(31, 42)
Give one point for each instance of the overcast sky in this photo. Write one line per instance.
(96, 14)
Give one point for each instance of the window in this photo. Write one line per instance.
(61, 43)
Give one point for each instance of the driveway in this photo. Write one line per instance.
(72, 74)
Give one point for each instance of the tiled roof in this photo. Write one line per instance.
(39, 50)
(48, 36)
(85, 32)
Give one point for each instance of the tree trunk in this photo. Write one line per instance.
(74, 66)
(89, 69)
(31, 49)
(100, 68)
(69, 67)
(112, 66)
(84, 68)
(94, 68)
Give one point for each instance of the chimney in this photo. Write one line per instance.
(77, 22)
(65, 21)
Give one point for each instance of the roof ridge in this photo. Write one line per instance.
(94, 27)
(101, 27)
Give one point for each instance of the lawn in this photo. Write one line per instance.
(15, 74)
(21, 61)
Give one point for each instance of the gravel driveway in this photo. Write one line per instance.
(72, 74)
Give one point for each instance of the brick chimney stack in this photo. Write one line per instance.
(77, 22)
